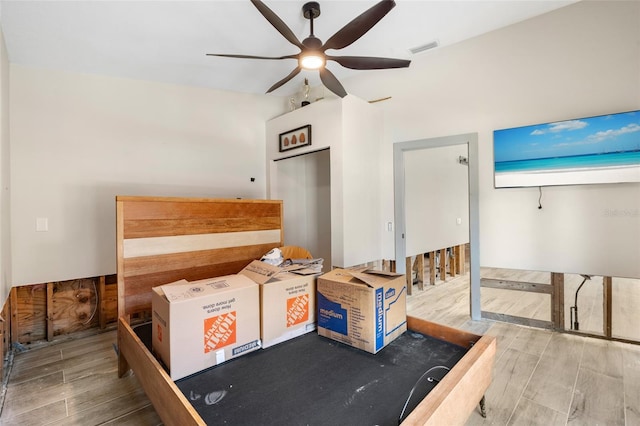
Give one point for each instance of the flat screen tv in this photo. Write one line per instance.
(602, 149)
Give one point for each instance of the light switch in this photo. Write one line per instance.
(42, 224)
(459, 221)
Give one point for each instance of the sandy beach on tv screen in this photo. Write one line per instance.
(568, 176)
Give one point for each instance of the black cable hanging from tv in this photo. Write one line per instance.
(540, 198)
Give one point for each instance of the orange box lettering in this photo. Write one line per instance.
(219, 331)
(297, 310)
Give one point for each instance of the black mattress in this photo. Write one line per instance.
(312, 380)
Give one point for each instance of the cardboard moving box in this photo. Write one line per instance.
(199, 324)
(366, 309)
(287, 302)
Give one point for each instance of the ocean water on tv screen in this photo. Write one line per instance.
(591, 161)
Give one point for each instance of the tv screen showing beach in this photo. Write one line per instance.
(602, 149)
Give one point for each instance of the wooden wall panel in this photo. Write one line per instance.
(190, 242)
(138, 284)
(39, 312)
(5, 334)
(169, 262)
(75, 306)
(31, 311)
(110, 301)
(164, 227)
(144, 218)
(141, 208)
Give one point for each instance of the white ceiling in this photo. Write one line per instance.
(166, 41)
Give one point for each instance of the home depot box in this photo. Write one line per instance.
(287, 302)
(365, 309)
(200, 324)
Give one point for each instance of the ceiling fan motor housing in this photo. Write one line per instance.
(311, 10)
(312, 42)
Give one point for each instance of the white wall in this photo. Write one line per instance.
(304, 186)
(362, 222)
(325, 118)
(5, 178)
(578, 61)
(436, 195)
(78, 140)
(352, 130)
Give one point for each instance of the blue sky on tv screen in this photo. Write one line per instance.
(584, 136)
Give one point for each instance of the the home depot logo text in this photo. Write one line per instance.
(297, 310)
(219, 331)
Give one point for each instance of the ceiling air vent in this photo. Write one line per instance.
(431, 45)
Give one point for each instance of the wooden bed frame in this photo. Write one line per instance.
(161, 240)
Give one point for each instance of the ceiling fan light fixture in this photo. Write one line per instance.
(312, 61)
(312, 51)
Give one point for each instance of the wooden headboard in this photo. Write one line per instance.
(162, 240)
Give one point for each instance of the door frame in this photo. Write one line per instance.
(273, 188)
(471, 141)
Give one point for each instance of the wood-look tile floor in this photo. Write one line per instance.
(543, 377)
(540, 377)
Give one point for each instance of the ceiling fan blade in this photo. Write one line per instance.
(359, 26)
(331, 82)
(224, 55)
(368, 62)
(284, 80)
(277, 23)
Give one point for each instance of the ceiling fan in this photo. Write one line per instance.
(312, 54)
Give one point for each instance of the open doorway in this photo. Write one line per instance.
(447, 146)
(303, 183)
